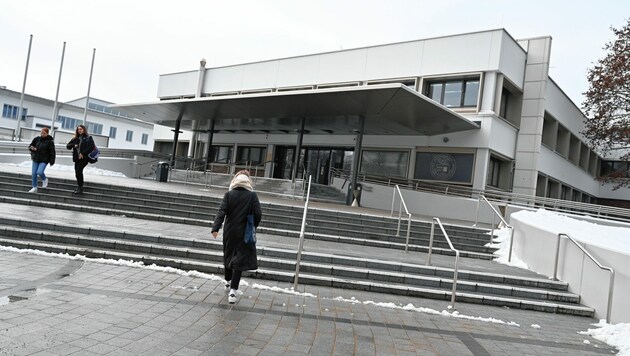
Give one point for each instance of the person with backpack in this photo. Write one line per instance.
(238, 255)
(81, 144)
(42, 153)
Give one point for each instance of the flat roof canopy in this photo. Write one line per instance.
(388, 109)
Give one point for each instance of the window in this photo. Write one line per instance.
(503, 108)
(250, 155)
(145, 138)
(94, 128)
(129, 137)
(454, 93)
(617, 169)
(385, 163)
(11, 112)
(494, 172)
(68, 123)
(221, 154)
(112, 132)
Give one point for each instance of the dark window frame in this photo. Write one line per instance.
(443, 83)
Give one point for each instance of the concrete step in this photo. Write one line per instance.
(348, 278)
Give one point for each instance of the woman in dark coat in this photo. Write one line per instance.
(81, 145)
(42, 153)
(237, 255)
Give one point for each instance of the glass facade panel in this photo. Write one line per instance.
(250, 155)
(453, 94)
(471, 93)
(435, 91)
(385, 163)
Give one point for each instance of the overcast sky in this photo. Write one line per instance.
(136, 41)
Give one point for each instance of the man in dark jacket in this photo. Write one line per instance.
(42, 153)
(238, 256)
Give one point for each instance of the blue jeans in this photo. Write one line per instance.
(38, 170)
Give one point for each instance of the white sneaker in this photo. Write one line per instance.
(45, 183)
(33, 190)
(232, 298)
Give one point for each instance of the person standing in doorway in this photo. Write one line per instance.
(235, 206)
(81, 145)
(42, 153)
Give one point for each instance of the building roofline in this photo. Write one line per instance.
(349, 49)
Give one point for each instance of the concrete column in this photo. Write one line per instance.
(488, 92)
(532, 116)
(356, 160)
(176, 136)
(298, 148)
(481, 168)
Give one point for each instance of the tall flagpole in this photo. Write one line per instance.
(55, 109)
(87, 99)
(19, 118)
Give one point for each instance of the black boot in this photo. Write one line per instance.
(79, 190)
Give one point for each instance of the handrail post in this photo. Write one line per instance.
(611, 287)
(408, 233)
(492, 228)
(393, 198)
(399, 217)
(453, 292)
(301, 243)
(431, 242)
(511, 244)
(555, 266)
(477, 215)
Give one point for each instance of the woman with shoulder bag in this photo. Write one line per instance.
(81, 145)
(238, 256)
(42, 153)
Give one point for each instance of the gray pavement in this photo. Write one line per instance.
(57, 306)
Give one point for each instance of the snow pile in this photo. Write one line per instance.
(617, 335)
(89, 170)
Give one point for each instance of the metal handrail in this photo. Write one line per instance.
(496, 213)
(433, 221)
(611, 284)
(559, 205)
(301, 243)
(402, 204)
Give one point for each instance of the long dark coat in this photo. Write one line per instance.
(86, 145)
(234, 210)
(45, 150)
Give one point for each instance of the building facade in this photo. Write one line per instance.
(111, 128)
(528, 140)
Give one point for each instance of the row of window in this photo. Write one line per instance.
(11, 112)
(69, 123)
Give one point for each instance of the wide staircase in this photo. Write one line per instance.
(362, 251)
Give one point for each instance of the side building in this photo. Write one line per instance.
(110, 127)
(310, 115)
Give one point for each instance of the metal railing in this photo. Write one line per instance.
(611, 284)
(456, 269)
(531, 201)
(496, 213)
(301, 243)
(401, 205)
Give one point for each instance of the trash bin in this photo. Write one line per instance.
(161, 172)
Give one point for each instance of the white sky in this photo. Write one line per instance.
(136, 41)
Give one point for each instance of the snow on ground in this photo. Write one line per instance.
(89, 170)
(196, 274)
(617, 335)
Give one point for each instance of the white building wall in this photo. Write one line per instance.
(42, 109)
(492, 51)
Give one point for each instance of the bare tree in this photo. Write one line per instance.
(607, 105)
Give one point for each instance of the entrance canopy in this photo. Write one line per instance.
(388, 109)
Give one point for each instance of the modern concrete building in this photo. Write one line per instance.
(110, 127)
(477, 110)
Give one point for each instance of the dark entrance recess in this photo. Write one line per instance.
(315, 161)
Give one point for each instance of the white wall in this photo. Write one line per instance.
(537, 248)
(555, 166)
(492, 51)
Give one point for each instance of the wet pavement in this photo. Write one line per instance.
(51, 305)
